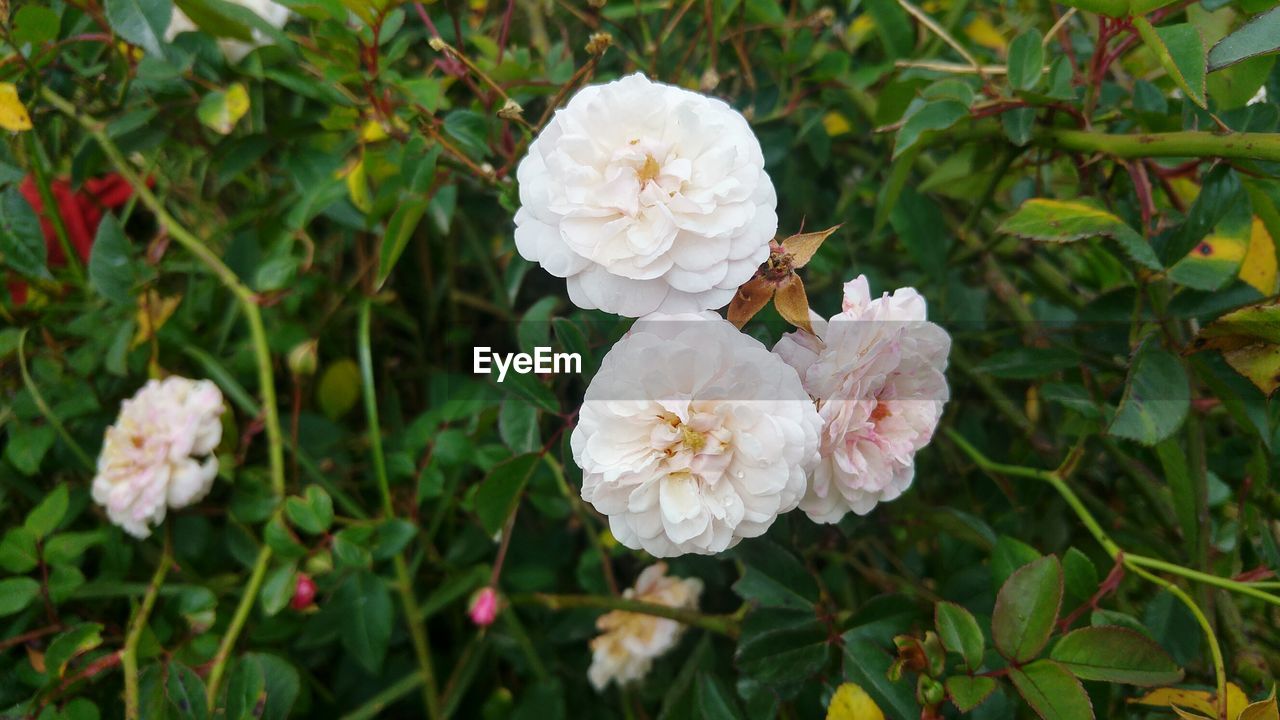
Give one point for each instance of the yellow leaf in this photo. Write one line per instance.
(373, 132)
(981, 31)
(220, 110)
(851, 702)
(1259, 265)
(358, 187)
(1202, 701)
(836, 123)
(860, 29)
(1265, 710)
(153, 312)
(13, 114)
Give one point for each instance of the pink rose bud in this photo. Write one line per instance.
(304, 593)
(484, 607)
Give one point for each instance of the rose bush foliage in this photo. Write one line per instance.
(1001, 443)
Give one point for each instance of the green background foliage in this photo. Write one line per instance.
(1084, 193)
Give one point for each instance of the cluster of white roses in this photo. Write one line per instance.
(151, 456)
(653, 202)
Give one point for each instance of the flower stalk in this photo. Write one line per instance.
(129, 656)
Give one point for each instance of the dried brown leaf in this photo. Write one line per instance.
(793, 303)
(753, 295)
(802, 247)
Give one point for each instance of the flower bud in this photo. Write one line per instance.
(303, 358)
(304, 593)
(484, 607)
(320, 563)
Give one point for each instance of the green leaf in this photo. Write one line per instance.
(1026, 609)
(399, 230)
(1173, 461)
(28, 444)
(18, 551)
(499, 492)
(922, 116)
(141, 22)
(1235, 86)
(66, 646)
(21, 240)
(960, 633)
(1180, 50)
(277, 589)
(1052, 691)
(34, 25)
(246, 687)
(1270, 549)
(1050, 220)
(969, 692)
(367, 611)
(867, 664)
(773, 577)
(17, 593)
(1118, 655)
(1080, 577)
(220, 110)
(186, 691)
(44, 517)
(1026, 60)
(281, 682)
(518, 425)
(339, 388)
(215, 18)
(1007, 556)
(715, 701)
(65, 548)
(312, 514)
(1017, 124)
(1156, 396)
(1260, 36)
(111, 269)
(781, 646)
(1216, 259)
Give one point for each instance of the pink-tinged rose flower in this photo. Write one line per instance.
(151, 458)
(484, 607)
(630, 642)
(693, 436)
(876, 373)
(646, 198)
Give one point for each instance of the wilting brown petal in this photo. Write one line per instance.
(803, 246)
(751, 296)
(793, 303)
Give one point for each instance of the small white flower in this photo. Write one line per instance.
(275, 14)
(693, 436)
(876, 371)
(1259, 97)
(150, 456)
(630, 642)
(646, 198)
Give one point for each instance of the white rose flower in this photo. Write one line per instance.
(693, 436)
(275, 14)
(630, 642)
(876, 371)
(646, 198)
(150, 456)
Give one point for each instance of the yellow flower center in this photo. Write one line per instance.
(649, 171)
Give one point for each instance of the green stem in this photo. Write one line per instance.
(404, 581)
(129, 656)
(1186, 144)
(251, 588)
(722, 624)
(575, 502)
(45, 410)
(213, 263)
(374, 707)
